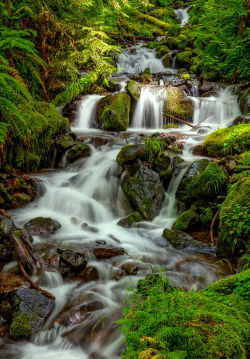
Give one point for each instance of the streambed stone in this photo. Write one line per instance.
(105, 252)
(41, 226)
(71, 262)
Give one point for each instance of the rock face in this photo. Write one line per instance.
(244, 101)
(228, 141)
(178, 104)
(30, 309)
(182, 240)
(234, 221)
(113, 112)
(202, 182)
(129, 220)
(70, 149)
(71, 263)
(41, 226)
(130, 153)
(143, 188)
(134, 90)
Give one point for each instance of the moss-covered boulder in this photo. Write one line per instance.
(166, 60)
(143, 188)
(234, 220)
(30, 309)
(130, 153)
(161, 51)
(178, 104)
(244, 101)
(227, 141)
(79, 150)
(184, 59)
(134, 90)
(130, 219)
(181, 240)
(201, 183)
(187, 221)
(113, 112)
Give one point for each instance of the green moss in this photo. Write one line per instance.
(113, 112)
(184, 58)
(167, 60)
(243, 102)
(130, 153)
(186, 221)
(161, 51)
(134, 89)
(171, 236)
(206, 216)
(232, 140)
(177, 104)
(234, 220)
(20, 327)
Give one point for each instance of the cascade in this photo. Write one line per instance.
(182, 14)
(87, 113)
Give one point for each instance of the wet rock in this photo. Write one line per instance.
(129, 220)
(201, 183)
(6, 226)
(167, 60)
(143, 188)
(206, 87)
(90, 274)
(82, 312)
(30, 309)
(200, 150)
(130, 268)
(6, 253)
(63, 143)
(104, 252)
(240, 120)
(162, 161)
(71, 262)
(113, 112)
(183, 241)
(178, 104)
(97, 141)
(187, 221)
(130, 153)
(41, 226)
(79, 150)
(244, 101)
(134, 89)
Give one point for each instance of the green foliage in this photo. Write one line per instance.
(163, 322)
(20, 327)
(153, 147)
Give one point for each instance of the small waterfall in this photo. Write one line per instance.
(216, 111)
(194, 90)
(149, 109)
(87, 112)
(182, 14)
(136, 59)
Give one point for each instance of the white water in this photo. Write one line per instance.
(182, 14)
(87, 200)
(86, 113)
(136, 59)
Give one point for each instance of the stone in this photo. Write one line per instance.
(187, 221)
(134, 89)
(6, 226)
(82, 312)
(130, 153)
(239, 121)
(41, 226)
(183, 241)
(30, 309)
(79, 150)
(90, 273)
(178, 104)
(129, 220)
(105, 252)
(143, 188)
(206, 87)
(244, 101)
(130, 268)
(113, 112)
(71, 262)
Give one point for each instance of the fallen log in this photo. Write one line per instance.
(178, 119)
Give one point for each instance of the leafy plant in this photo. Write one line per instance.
(153, 147)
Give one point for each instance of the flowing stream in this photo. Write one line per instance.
(87, 200)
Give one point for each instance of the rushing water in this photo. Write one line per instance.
(87, 200)
(182, 14)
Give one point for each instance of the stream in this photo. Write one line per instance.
(86, 198)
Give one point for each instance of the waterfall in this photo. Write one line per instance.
(86, 113)
(182, 14)
(149, 109)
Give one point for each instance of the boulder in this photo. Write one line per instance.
(201, 183)
(79, 150)
(166, 60)
(41, 226)
(234, 221)
(108, 251)
(142, 187)
(134, 89)
(90, 273)
(71, 262)
(30, 309)
(244, 101)
(183, 241)
(129, 220)
(240, 120)
(207, 87)
(6, 226)
(187, 221)
(82, 312)
(228, 141)
(130, 153)
(113, 112)
(178, 104)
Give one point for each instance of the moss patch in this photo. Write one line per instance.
(177, 104)
(20, 327)
(186, 221)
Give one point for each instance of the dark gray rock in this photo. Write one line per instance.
(130, 153)
(71, 262)
(41, 226)
(103, 252)
(6, 226)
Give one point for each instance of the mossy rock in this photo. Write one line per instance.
(187, 221)
(232, 140)
(113, 112)
(234, 220)
(167, 60)
(178, 104)
(161, 51)
(184, 59)
(134, 89)
(244, 101)
(20, 327)
(79, 150)
(202, 182)
(130, 153)
(130, 219)
(144, 190)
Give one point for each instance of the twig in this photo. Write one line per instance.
(178, 119)
(212, 226)
(47, 294)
